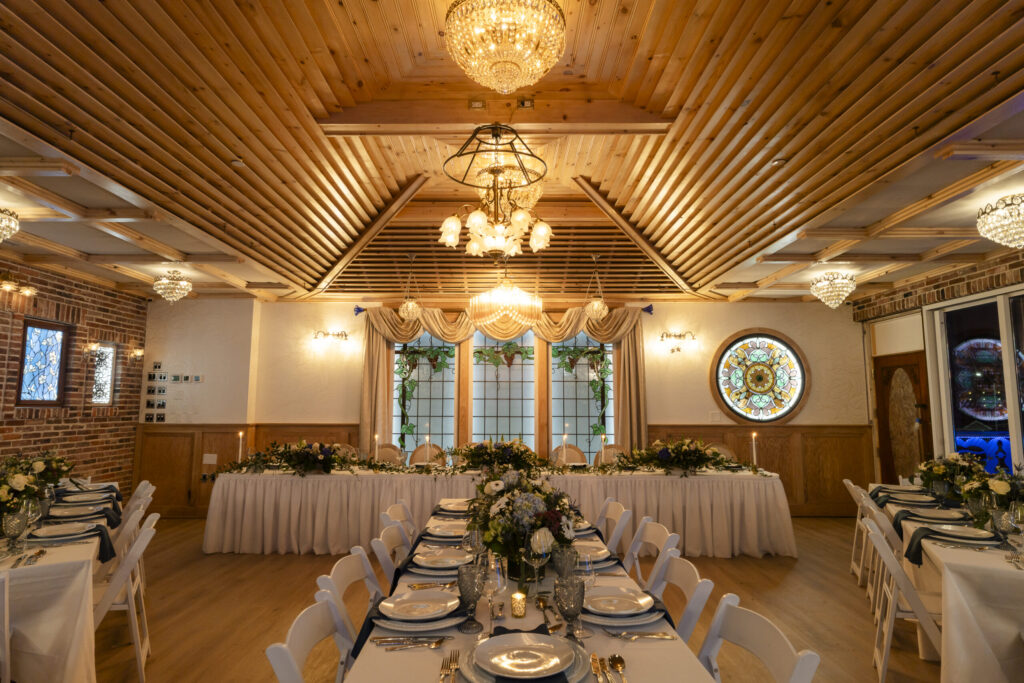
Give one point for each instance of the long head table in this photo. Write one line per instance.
(715, 514)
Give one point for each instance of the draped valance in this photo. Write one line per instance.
(621, 327)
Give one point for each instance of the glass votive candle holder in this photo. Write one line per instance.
(518, 605)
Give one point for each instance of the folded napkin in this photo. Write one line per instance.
(404, 566)
(885, 498)
(914, 550)
(883, 488)
(897, 520)
(106, 552)
(439, 512)
(658, 606)
(72, 489)
(375, 613)
(541, 630)
(110, 516)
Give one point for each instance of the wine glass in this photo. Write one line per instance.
(471, 585)
(585, 568)
(473, 542)
(536, 559)
(1016, 520)
(495, 581)
(569, 592)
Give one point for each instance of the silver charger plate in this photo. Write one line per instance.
(577, 673)
(446, 573)
(419, 626)
(638, 620)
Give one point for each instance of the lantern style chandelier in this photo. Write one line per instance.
(833, 287)
(9, 224)
(505, 44)
(1003, 222)
(506, 174)
(595, 309)
(505, 302)
(410, 308)
(172, 286)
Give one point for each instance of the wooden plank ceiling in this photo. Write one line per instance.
(717, 132)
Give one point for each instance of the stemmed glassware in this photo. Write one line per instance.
(1016, 520)
(536, 559)
(585, 568)
(495, 581)
(471, 585)
(569, 593)
(564, 559)
(473, 542)
(14, 525)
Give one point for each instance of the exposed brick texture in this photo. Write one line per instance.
(99, 439)
(983, 277)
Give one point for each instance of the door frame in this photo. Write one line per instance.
(887, 465)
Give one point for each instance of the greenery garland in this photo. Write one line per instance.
(506, 353)
(569, 356)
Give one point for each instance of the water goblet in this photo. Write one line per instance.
(495, 581)
(585, 568)
(564, 559)
(471, 585)
(14, 525)
(569, 592)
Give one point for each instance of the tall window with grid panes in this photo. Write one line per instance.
(424, 393)
(582, 403)
(503, 391)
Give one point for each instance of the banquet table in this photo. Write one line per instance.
(717, 514)
(982, 608)
(646, 660)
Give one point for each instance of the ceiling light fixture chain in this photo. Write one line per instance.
(596, 308)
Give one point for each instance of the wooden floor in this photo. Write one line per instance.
(212, 616)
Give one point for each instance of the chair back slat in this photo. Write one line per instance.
(670, 568)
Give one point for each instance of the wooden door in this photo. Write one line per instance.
(167, 460)
(902, 413)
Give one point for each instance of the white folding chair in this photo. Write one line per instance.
(609, 454)
(390, 453)
(672, 569)
(122, 539)
(316, 623)
(876, 572)
(390, 550)
(346, 571)
(5, 628)
(602, 514)
(900, 600)
(648, 533)
(400, 512)
(122, 593)
(759, 636)
(347, 450)
(569, 454)
(859, 532)
(427, 454)
(620, 517)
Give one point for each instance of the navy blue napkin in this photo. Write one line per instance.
(69, 490)
(106, 551)
(111, 517)
(897, 520)
(886, 498)
(441, 512)
(914, 550)
(541, 630)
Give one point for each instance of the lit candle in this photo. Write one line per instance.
(376, 447)
(239, 446)
(518, 605)
(753, 446)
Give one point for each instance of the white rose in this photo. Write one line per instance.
(493, 487)
(954, 457)
(568, 529)
(542, 540)
(38, 466)
(499, 505)
(999, 486)
(18, 482)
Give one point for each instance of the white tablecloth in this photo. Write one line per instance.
(720, 515)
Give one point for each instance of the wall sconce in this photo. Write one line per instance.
(92, 348)
(324, 334)
(680, 341)
(137, 354)
(9, 284)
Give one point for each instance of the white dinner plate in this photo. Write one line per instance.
(617, 601)
(446, 573)
(419, 626)
(442, 558)
(419, 605)
(577, 673)
(87, 497)
(75, 510)
(581, 524)
(68, 529)
(638, 620)
(454, 504)
(966, 532)
(911, 498)
(595, 549)
(447, 529)
(524, 655)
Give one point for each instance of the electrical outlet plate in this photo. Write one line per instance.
(209, 458)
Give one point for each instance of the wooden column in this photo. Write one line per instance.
(542, 397)
(464, 392)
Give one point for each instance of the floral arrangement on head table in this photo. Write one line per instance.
(512, 510)
(496, 456)
(685, 456)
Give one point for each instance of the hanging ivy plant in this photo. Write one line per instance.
(506, 353)
(407, 359)
(600, 368)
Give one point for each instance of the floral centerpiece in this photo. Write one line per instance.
(496, 456)
(512, 510)
(685, 456)
(49, 469)
(306, 458)
(18, 484)
(951, 474)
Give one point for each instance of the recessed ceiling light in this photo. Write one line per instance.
(779, 162)
(237, 163)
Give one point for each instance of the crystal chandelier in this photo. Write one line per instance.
(505, 44)
(1003, 222)
(506, 174)
(410, 308)
(505, 302)
(596, 309)
(833, 287)
(9, 224)
(172, 286)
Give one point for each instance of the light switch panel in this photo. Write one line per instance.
(209, 458)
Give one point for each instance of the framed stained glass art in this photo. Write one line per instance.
(760, 376)
(42, 363)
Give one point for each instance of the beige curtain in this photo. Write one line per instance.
(620, 327)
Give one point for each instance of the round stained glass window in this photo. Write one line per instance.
(760, 377)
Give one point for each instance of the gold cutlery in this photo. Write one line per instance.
(604, 669)
(595, 668)
(429, 586)
(430, 645)
(454, 665)
(634, 635)
(619, 664)
(446, 668)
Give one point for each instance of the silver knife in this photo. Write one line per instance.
(21, 558)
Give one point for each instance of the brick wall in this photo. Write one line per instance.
(993, 274)
(100, 439)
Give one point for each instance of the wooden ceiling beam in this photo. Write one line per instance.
(900, 233)
(633, 233)
(132, 258)
(372, 230)
(454, 117)
(24, 167)
(557, 212)
(793, 286)
(872, 258)
(989, 150)
(234, 281)
(18, 257)
(121, 215)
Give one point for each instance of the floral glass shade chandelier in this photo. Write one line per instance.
(505, 302)
(506, 174)
(595, 309)
(505, 44)
(1003, 222)
(9, 224)
(833, 287)
(172, 286)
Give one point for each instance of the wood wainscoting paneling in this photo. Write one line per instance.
(812, 460)
(171, 456)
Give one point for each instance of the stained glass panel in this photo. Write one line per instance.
(760, 377)
(103, 360)
(41, 364)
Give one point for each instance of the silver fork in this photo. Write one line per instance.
(454, 665)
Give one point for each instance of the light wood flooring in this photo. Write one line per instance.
(212, 616)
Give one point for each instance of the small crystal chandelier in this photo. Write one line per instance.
(410, 308)
(172, 286)
(506, 174)
(9, 224)
(505, 44)
(833, 287)
(505, 302)
(1003, 222)
(596, 309)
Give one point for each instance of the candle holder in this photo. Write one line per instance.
(518, 605)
